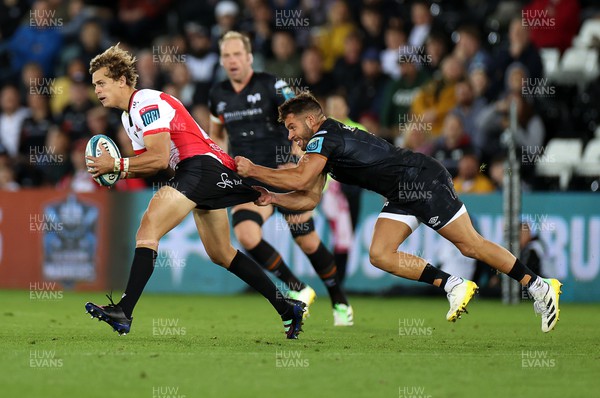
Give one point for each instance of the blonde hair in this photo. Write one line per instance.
(118, 62)
(232, 34)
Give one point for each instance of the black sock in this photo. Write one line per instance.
(431, 273)
(271, 260)
(248, 271)
(341, 259)
(519, 270)
(140, 273)
(324, 264)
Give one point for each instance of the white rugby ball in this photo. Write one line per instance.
(93, 149)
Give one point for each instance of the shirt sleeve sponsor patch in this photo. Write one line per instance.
(149, 114)
(315, 145)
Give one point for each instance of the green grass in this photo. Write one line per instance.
(227, 346)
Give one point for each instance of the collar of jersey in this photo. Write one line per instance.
(131, 100)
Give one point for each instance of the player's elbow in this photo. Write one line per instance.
(162, 162)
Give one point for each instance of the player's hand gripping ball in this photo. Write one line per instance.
(100, 152)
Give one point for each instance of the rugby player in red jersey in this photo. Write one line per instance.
(205, 182)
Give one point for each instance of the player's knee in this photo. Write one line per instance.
(308, 243)
(471, 249)
(247, 227)
(376, 256)
(221, 256)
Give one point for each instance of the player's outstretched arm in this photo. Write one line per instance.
(295, 200)
(300, 178)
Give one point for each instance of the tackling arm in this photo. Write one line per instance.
(300, 178)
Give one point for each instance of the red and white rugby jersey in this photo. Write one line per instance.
(152, 112)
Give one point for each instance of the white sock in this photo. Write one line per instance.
(538, 287)
(451, 282)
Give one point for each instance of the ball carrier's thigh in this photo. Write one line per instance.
(248, 219)
(167, 208)
(213, 228)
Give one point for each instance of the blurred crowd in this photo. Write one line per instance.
(437, 77)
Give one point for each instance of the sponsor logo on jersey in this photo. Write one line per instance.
(226, 182)
(253, 98)
(345, 126)
(221, 107)
(315, 145)
(149, 114)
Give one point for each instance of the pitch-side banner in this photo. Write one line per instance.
(568, 227)
(52, 240)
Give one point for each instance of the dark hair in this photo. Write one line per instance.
(304, 102)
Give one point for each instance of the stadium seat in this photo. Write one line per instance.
(589, 30)
(589, 166)
(559, 159)
(550, 60)
(578, 65)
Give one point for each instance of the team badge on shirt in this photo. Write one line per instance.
(149, 114)
(315, 145)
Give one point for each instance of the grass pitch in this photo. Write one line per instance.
(234, 346)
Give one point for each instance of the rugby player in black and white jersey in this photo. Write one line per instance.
(353, 156)
(244, 115)
(205, 182)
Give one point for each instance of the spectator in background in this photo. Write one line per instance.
(226, 14)
(469, 109)
(452, 145)
(468, 49)
(564, 16)
(480, 83)
(54, 168)
(394, 39)
(422, 21)
(11, 12)
(150, 75)
(138, 22)
(436, 49)
(33, 80)
(331, 39)
(60, 89)
(12, 116)
(337, 108)
(400, 93)
(37, 40)
(180, 85)
(371, 122)
(416, 137)
(90, 43)
(437, 97)
(470, 179)
(495, 119)
(286, 61)
(496, 171)
(97, 121)
(341, 202)
(260, 28)
(78, 179)
(371, 26)
(521, 50)
(347, 70)
(319, 82)
(367, 95)
(72, 121)
(7, 174)
(36, 126)
(201, 60)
